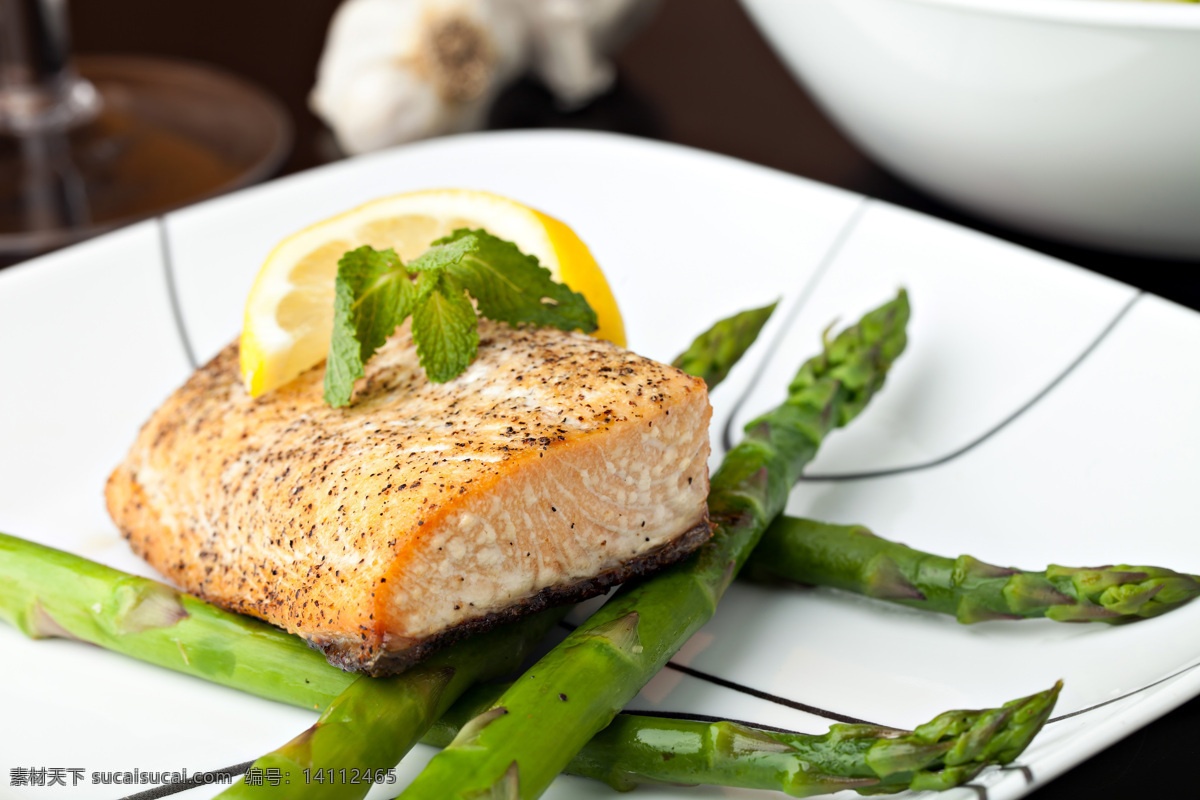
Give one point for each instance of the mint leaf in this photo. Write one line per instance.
(372, 295)
(446, 252)
(510, 286)
(445, 328)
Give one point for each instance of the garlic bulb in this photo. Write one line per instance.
(572, 40)
(397, 70)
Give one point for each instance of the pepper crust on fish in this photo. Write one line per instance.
(555, 467)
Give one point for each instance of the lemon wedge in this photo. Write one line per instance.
(289, 314)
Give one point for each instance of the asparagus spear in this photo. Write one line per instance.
(713, 353)
(45, 592)
(947, 751)
(851, 557)
(369, 727)
(528, 736)
(342, 740)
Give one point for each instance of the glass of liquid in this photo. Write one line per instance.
(92, 143)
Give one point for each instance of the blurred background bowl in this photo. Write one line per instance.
(1073, 119)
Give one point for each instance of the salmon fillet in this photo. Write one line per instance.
(556, 466)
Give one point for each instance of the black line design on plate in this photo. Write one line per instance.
(820, 712)
(772, 698)
(830, 256)
(761, 695)
(164, 243)
(200, 779)
(980, 791)
(1021, 768)
(1122, 697)
(1004, 423)
(705, 718)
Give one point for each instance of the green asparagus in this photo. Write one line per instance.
(371, 725)
(851, 557)
(517, 747)
(50, 593)
(45, 592)
(945, 752)
(713, 353)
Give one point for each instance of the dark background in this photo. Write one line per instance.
(700, 75)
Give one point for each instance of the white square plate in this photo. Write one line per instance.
(1041, 414)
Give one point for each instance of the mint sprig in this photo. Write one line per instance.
(375, 292)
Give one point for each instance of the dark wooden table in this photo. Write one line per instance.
(700, 75)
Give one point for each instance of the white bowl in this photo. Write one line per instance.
(1074, 119)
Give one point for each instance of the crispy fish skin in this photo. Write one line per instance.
(556, 466)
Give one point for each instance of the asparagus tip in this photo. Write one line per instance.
(954, 747)
(1122, 593)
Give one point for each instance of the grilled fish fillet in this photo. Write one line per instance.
(556, 466)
